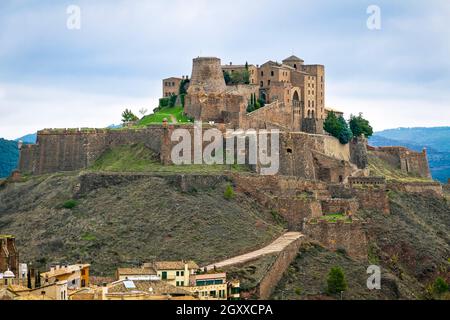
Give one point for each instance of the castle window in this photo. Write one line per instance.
(262, 73)
(272, 73)
(262, 84)
(289, 150)
(295, 66)
(268, 83)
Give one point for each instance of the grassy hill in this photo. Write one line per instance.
(172, 114)
(138, 158)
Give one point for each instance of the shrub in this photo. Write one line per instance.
(172, 101)
(298, 291)
(164, 102)
(70, 204)
(229, 192)
(128, 116)
(336, 281)
(440, 286)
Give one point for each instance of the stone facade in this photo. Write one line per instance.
(408, 161)
(299, 87)
(171, 86)
(75, 149)
(425, 188)
(349, 236)
(9, 256)
(284, 259)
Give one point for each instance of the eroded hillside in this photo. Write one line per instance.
(411, 245)
(128, 223)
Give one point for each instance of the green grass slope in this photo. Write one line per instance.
(172, 114)
(138, 158)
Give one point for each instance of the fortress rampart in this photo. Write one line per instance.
(349, 236)
(404, 159)
(75, 149)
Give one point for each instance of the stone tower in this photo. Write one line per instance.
(207, 76)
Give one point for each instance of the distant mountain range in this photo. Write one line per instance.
(436, 140)
(9, 155)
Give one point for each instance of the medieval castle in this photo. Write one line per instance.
(317, 176)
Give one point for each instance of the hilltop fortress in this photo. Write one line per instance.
(334, 176)
(294, 97)
(318, 176)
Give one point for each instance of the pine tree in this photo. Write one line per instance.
(336, 281)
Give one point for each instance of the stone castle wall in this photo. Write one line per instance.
(274, 115)
(404, 159)
(271, 278)
(340, 235)
(70, 150)
(424, 188)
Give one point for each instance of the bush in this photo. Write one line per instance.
(336, 281)
(229, 192)
(172, 101)
(298, 291)
(70, 204)
(440, 286)
(164, 102)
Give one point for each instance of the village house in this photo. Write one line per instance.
(77, 276)
(174, 272)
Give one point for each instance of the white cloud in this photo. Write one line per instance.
(28, 109)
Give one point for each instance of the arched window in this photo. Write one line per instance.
(261, 84)
(313, 114)
(295, 66)
(309, 113)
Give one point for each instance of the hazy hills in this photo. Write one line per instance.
(436, 140)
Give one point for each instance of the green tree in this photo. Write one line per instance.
(360, 126)
(336, 281)
(240, 77)
(246, 65)
(338, 128)
(440, 286)
(229, 192)
(345, 134)
(183, 86)
(172, 101)
(128, 116)
(227, 77)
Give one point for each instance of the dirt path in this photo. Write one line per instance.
(277, 246)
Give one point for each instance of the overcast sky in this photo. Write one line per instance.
(51, 76)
